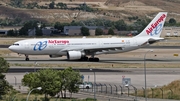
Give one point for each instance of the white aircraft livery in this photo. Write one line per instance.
(81, 48)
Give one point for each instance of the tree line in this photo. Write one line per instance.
(53, 82)
(51, 5)
(120, 25)
(5, 87)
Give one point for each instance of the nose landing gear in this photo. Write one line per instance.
(27, 57)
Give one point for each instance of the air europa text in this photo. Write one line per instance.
(58, 41)
(154, 25)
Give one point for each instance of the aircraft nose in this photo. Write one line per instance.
(11, 48)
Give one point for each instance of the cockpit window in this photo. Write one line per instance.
(16, 44)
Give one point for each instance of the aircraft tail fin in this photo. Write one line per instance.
(154, 28)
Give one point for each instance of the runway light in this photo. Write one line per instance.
(175, 54)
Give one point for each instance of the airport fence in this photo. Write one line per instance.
(129, 91)
(120, 91)
(112, 90)
(98, 88)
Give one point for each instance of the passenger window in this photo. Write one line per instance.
(16, 44)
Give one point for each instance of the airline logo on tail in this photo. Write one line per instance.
(156, 27)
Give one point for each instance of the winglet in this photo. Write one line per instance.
(154, 28)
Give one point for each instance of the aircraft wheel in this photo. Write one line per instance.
(84, 59)
(27, 59)
(91, 59)
(96, 59)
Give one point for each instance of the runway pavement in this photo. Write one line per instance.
(30, 69)
(102, 60)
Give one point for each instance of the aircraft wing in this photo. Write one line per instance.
(90, 49)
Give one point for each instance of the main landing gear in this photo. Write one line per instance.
(27, 57)
(93, 59)
(84, 58)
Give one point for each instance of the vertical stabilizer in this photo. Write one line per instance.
(154, 28)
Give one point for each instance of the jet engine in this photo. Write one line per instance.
(73, 55)
(55, 56)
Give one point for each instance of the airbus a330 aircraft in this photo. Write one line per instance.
(80, 48)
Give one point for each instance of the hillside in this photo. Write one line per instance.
(108, 9)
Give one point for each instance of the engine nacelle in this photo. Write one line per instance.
(55, 56)
(74, 55)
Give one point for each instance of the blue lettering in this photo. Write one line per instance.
(157, 30)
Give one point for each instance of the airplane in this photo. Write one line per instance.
(81, 48)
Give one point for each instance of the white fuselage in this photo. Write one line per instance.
(61, 46)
